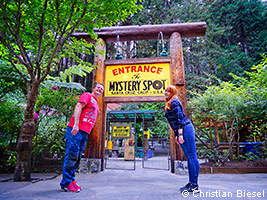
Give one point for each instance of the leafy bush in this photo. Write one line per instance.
(50, 141)
(10, 122)
(55, 107)
(234, 105)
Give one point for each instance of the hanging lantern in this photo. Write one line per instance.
(164, 52)
(118, 55)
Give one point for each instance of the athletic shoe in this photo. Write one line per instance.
(190, 188)
(193, 188)
(71, 188)
(186, 187)
(77, 186)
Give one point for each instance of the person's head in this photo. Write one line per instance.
(170, 91)
(170, 94)
(98, 90)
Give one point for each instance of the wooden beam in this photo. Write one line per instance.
(138, 61)
(96, 140)
(146, 32)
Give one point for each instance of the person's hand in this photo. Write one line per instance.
(180, 139)
(176, 140)
(75, 130)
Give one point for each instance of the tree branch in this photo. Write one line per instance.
(7, 21)
(40, 41)
(58, 19)
(20, 45)
(11, 49)
(17, 70)
(72, 10)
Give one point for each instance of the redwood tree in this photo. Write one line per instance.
(35, 34)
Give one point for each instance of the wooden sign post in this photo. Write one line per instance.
(141, 79)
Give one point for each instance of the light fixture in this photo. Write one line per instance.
(118, 55)
(163, 53)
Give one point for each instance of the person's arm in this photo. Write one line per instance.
(77, 114)
(178, 133)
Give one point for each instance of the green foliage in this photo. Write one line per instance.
(50, 141)
(12, 86)
(159, 128)
(212, 155)
(247, 22)
(39, 31)
(10, 122)
(11, 162)
(55, 107)
(229, 100)
(254, 110)
(236, 103)
(71, 86)
(234, 40)
(37, 34)
(59, 100)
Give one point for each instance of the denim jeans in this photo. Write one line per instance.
(75, 145)
(189, 149)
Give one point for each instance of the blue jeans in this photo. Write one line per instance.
(189, 149)
(74, 148)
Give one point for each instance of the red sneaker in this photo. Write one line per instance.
(77, 186)
(71, 188)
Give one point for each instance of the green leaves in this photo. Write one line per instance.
(238, 100)
(35, 33)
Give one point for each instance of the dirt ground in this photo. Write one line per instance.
(240, 164)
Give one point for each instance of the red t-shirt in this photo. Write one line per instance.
(89, 113)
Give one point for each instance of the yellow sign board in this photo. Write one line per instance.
(121, 131)
(137, 79)
(147, 133)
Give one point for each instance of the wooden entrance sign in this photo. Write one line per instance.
(139, 80)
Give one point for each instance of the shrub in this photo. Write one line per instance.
(233, 105)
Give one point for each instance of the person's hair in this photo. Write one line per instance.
(98, 84)
(173, 95)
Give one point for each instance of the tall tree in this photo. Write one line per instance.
(234, 41)
(37, 34)
(245, 38)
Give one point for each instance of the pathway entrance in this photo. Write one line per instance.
(129, 142)
(139, 79)
(160, 154)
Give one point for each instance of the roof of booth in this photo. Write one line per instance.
(130, 115)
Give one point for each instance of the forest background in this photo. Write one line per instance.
(225, 80)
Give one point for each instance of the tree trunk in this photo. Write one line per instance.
(24, 145)
(243, 38)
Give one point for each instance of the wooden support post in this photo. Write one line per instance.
(96, 140)
(217, 132)
(145, 147)
(177, 69)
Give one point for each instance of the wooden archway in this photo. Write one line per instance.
(174, 32)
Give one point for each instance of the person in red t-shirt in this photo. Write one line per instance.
(80, 125)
